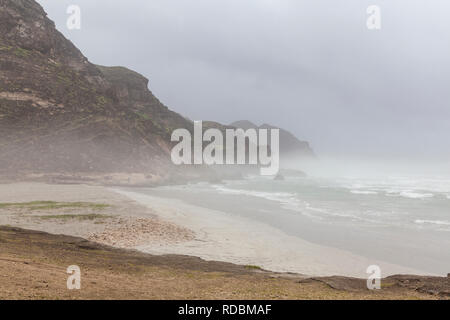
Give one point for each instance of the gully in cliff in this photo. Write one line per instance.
(231, 150)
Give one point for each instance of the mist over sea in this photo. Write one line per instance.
(400, 219)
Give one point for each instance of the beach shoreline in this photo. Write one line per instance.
(129, 247)
(161, 226)
(224, 237)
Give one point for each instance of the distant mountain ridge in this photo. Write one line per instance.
(290, 145)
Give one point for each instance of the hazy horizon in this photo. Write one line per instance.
(311, 67)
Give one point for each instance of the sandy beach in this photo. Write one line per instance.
(161, 226)
(90, 212)
(223, 237)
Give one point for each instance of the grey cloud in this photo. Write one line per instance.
(310, 66)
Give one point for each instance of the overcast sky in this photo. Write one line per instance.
(310, 66)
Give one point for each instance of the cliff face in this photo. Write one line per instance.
(60, 113)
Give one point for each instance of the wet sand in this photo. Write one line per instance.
(162, 226)
(224, 237)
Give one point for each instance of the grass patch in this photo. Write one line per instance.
(51, 205)
(142, 115)
(101, 100)
(80, 217)
(21, 52)
(253, 267)
(387, 284)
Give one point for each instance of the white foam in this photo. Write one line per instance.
(274, 196)
(398, 184)
(368, 192)
(286, 199)
(411, 194)
(416, 195)
(438, 222)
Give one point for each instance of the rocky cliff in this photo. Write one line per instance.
(61, 113)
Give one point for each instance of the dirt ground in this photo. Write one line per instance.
(33, 266)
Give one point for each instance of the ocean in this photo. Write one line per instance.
(404, 220)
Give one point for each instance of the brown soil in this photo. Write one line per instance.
(33, 266)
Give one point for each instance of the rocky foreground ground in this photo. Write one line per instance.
(33, 266)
